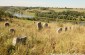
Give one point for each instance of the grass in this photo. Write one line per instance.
(74, 9)
(42, 42)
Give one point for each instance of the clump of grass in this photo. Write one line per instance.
(60, 24)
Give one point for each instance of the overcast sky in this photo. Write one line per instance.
(44, 3)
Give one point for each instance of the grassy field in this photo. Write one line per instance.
(58, 10)
(74, 9)
(44, 42)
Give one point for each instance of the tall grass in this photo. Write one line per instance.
(42, 42)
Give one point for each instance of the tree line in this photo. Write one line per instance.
(4, 15)
(66, 15)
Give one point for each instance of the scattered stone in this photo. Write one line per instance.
(45, 25)
(59, 30)
(12, 30)
(7, 24)
(39, 26)
(21, 40)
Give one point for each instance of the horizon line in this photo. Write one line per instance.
(39, 6)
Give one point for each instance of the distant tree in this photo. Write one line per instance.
(4, 14)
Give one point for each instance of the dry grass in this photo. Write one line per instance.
(60, 10)
(42, 42)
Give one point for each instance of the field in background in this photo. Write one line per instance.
(31, 12)
(42, 42)
(74, 9)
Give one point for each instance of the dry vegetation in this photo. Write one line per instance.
(42, 42)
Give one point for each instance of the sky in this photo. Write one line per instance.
(44, 3)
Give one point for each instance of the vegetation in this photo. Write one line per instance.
(46, 41)
(46, 13)
(4, 14)
(42, 42)
(65, 15)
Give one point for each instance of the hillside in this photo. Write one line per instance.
(44, 42)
